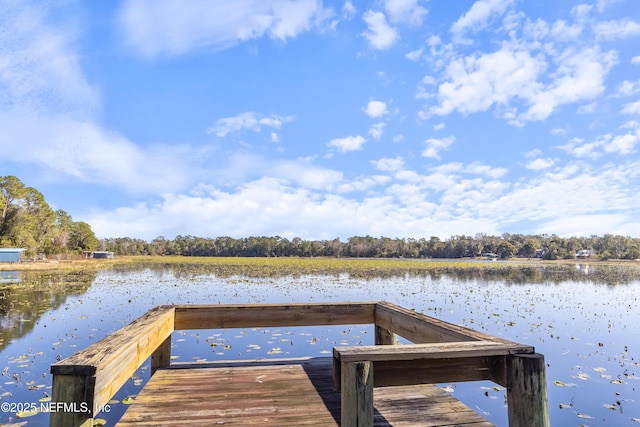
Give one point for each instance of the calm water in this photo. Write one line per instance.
(585, 323)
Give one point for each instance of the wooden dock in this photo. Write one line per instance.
(287, 393)
(385, 384)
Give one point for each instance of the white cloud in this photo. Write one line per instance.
(363, 184)
(48, 110)
(478, 82)
(434, 146)
(631, 108)
(560, 30)
(580, 75)
(40, 71)
(443, 200)
(174, 27)
(389, 164)
(591, 225)
(619, 29)
(348, 10)
(303, 173)
(635, 60)
(376, 109)
(439, 126)
(404, 11)
(511, 78)
(414, 55)
(627, 88)
(248, 120)
(478, 168)
(621, 144)
(478, 16)
(85, 151)
(349, 143)
(380, 34)
(540, 164)
(603, 4)
(376, 130)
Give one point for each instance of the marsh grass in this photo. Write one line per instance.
(515, 270)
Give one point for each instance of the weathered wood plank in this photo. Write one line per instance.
(73, 388)
(272, 315)
(430, 371)
(357, 394)
(527, 391)
(109, 363)
(419, 328)
(298, 394)
(161, 357)
(384, 336)
(428, 351)
(416, 327)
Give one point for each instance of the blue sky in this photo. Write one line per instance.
(319, 119)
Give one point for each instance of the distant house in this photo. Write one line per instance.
(540, 253)
(584, 253)
(102, 254)
(10, 254)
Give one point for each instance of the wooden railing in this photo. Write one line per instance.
(443, 353)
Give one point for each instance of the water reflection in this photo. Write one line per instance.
(8, 277)
(25, 296)
(515, 273)
(587, 332)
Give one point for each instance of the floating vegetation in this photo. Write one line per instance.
(586, 328)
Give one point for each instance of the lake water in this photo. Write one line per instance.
(584, 321)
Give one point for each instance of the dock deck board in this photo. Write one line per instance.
(294, 393)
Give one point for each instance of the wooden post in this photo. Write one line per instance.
(385, 336)
(527, 391)
(73, 404)
(357, 394)
(161, 357)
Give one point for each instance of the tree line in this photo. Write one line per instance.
(28, 222)
(550, 247)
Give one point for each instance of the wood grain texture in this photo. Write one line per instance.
(295, 394)
(272, 315)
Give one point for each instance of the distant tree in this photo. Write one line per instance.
(529, 248)
(81, 237)
(27, 221)
(632, 252)
(506, 250)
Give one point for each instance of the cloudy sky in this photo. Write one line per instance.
(323, 119)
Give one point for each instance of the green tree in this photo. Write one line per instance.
(27, 221)
(506, 250)
(81, 237)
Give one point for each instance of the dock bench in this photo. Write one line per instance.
(358, 370)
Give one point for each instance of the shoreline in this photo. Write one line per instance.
(303, 262)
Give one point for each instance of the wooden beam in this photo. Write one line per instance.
(92, 376)
(432, 371)
(416, 327)
(419, 328)
(272, 315)
(427, 351)
(161, 357)
(527, 391)
(77, 392)
(356, 395)
(432, 362)
(385, 336)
